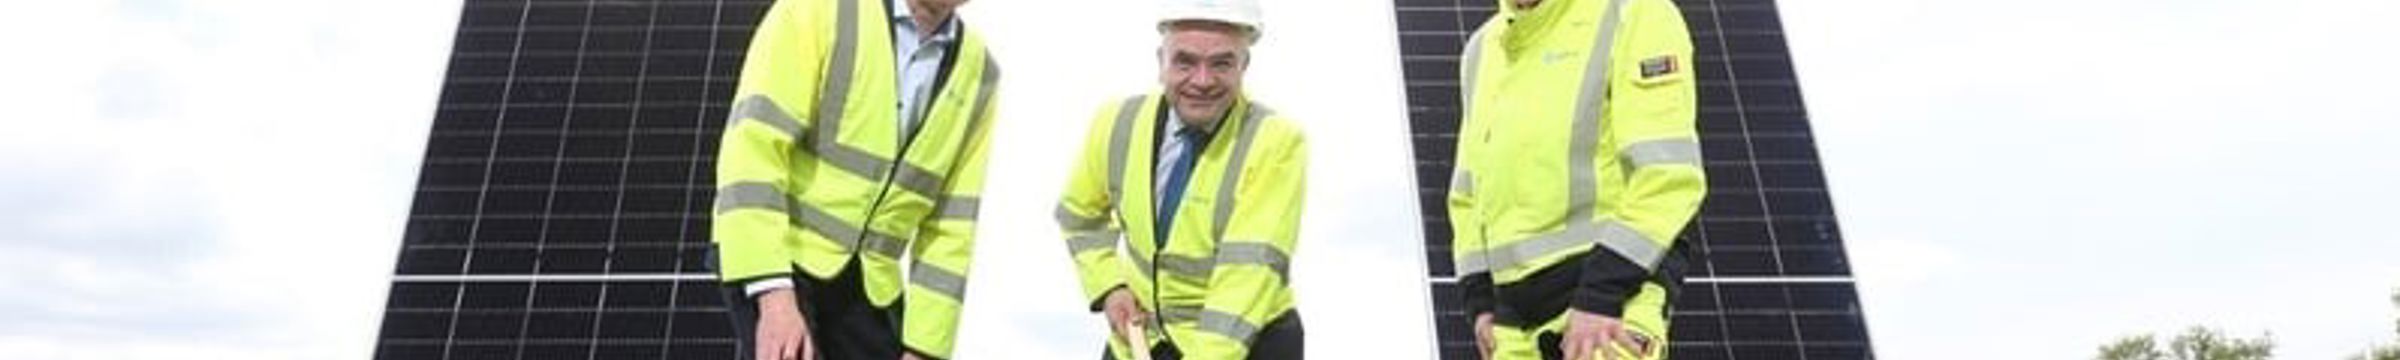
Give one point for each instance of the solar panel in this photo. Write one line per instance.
(1770, 280)
(562, 208)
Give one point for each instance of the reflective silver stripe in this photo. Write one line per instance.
(1186, 266)
(1576, 236)
(752, 195)
(1470, 64)
(1117, 138)
(1461, 182)
(836, 88)
(1590, 104)
(1255, 253)
(878, 243)
(808, 216)
(852, 160)
(1158, 321)
(1662, 152)
(764, 110)
(869, 166)
(1083, 242)
(1468, 265)
(1175, 265)
(1180, 314)
(983, 93)
(1227, 324)
(1140, 262)
(940, 280)
(958, 208)
(1631, 244)
(1233, 170)
(1614, 236)
(917, 179)
(1068, 220)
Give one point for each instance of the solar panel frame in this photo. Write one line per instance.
(561, 212)
(1771, 278)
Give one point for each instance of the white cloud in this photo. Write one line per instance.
(220, 181)
(2107, 168)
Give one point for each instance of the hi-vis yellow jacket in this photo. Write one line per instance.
(1578, 161)
(814, 170)
(1223, 273)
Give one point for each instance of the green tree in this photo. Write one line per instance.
(2141, 347)
(2198, 343)
(2386, 352)
(2389, 351)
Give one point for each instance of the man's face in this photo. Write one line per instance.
(939, 4)
(938, 9)
(1200, 64)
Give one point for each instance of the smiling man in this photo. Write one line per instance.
(1202, 190)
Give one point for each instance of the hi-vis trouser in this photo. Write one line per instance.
(816, 177)
(1578, 166)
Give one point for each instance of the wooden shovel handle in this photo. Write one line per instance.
(1138, 341)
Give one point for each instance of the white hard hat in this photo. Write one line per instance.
(1243, 13)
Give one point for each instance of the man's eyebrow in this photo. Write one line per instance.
(1227, 55)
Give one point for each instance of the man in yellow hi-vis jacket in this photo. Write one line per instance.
(857, 140)
(1578, 164)
(1204, 187)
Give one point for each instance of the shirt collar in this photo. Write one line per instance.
(905, 18)
(1175, 125)
(1174, 122)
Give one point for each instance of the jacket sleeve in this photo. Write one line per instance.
(940, 258)
(771, 108)
(1466, 244)
(1086, 211)
(1651, 177)
(1250, 283)
(1466, 235)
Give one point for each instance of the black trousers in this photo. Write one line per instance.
(1279, 340)
(840, 320)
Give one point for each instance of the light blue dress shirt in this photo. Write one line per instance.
(919, 61)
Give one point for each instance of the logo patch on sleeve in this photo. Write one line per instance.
(1658, 66)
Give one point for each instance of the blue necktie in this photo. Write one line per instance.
(1176, 177)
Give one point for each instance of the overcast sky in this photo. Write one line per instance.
(228, 179)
